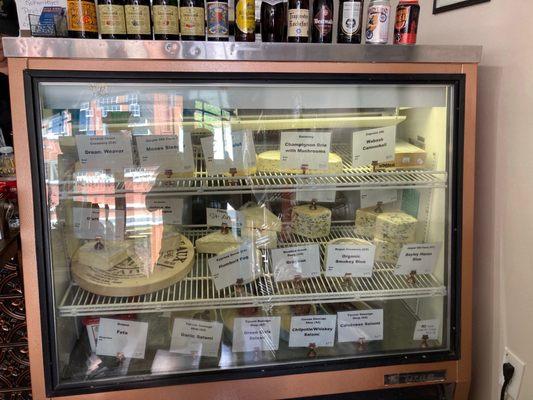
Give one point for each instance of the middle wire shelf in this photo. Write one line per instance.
(197, 290)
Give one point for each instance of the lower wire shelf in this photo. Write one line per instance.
(197, 290)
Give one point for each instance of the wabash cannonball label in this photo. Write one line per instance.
(323, 20)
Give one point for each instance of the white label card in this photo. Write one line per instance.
(187, 334)
(318, 330)
(256, 334)
(300, 261)
(166, 152)
(172, 209)
(242, 263)
(105, 152)
(320, 196)
(370, 198)
(361, 324)
(374, 145)
(225, 150)
(119, 336)
(89, 223)
(308, 150)
(421, 258)
(350, 259)
(429, 328)
(92, 333)
(218, 217)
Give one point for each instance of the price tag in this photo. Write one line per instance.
(370, 198)
(226, 150)
(242, 263)
(105, 152)
(219, 217)
(172, 152)
(421, 258)
(300, 261)
(320, 196)
(172, 209)
(352, 259)
(187, 332)
(119, 336)
(307, 149)
(429, 327)
(374, 145)
(316, 329)
(256, 334)
(362, 324)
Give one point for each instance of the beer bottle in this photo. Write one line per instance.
(138, 23)
(245, 20)
(273, 20)
(298, 29)
(111, 20)
(322, 29)
(192, 20)
(165, 18)
(350, 21)
(217, 20)
(81, 19)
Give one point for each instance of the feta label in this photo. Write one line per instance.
(429, 328)
(240, 264)
(256, 334)
(118, 336)
(226, 150)
(354, 326)
(166, 152)
(370, 198)
(218, 217)
(292, 262)
(373, 145)
(317, 330)
(421, 258)
(105, 152)
(195, 337)
(171, 208)
(305, 150)
(350, 259)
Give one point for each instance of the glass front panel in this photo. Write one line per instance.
(220, 226)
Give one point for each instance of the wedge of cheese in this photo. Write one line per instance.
(387, 251)
(260, 217)
(311, 221)
(217, 242)
(365, 221)
(263, 238)
(269, 162)
(102, 255)
(397, 227)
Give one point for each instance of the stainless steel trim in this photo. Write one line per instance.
(177, 50)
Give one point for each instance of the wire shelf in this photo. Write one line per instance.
(197, 290)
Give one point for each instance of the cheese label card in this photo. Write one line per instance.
(243, 150)
(421, 258)
(373, 145)
(105, 152)
(308, 150)
(300, 261)
(320, 196)
(350, 259)
(90, 223)
(429, 328)
(225, 150)
(219, 217)
(171, 208)
(187, 332)
(361, 324)
(312, 329)
(166, 152)
(119, 336)
(92, 333)
(370, 198)
(228, 267)
(256, 334)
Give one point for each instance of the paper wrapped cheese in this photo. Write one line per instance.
(365, 220)
(311, 221)
(217, 242)
(133, 277)
(269, 162)
(386, 251)
(396, 227)
(102, 256)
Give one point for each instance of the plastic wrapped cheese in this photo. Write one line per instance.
(263, 238)
(217, 242)
(387, 251)
(102, 255)
(260, 217)
(311, 221)
(396, 227)
(269, 161)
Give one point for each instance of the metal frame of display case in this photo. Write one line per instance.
(31, 57)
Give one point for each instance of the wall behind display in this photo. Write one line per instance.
(504, 179)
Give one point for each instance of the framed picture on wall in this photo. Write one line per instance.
(448, 5)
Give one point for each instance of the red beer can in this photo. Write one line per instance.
(406, 25)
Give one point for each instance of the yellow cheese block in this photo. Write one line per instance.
(269, 162)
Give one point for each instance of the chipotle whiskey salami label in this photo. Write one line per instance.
(323, 20)
(165, 19)
(111, 19)
(81, 16)
(298, 22)
(192, 21)
(137, 19)
(245, 16)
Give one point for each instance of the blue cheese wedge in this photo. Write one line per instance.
(365, 221)
(102, 255)
(311, 221)
(217, 242)
(269, 162)
(387, 252)
(396, 227)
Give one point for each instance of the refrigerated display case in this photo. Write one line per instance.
(235, 221)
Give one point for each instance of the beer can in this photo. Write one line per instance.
(406, 25)
(377, 27)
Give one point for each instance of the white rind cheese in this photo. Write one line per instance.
(216, 242)
(387, 251)
(111, 254)
(269, 161)
(311, 222)
(396, 227)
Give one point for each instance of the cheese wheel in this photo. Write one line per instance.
(269, 162)
(311, 221)
(217, 242)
